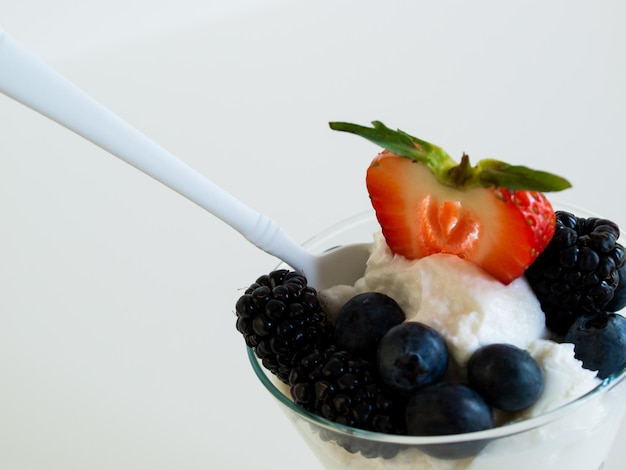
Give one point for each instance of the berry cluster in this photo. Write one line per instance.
(411, 360)
(281, 319)
(580, 281)
(372, 370)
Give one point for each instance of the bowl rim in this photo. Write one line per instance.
(505, 430)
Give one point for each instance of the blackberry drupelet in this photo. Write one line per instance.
(281, 318)
(578, 273)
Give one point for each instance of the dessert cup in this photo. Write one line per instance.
(576, 436)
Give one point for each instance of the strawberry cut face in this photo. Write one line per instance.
(501, 231)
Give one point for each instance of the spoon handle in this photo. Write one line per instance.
(30, 81)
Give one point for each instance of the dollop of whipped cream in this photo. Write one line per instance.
(465, 304)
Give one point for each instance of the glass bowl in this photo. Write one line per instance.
(576, 436)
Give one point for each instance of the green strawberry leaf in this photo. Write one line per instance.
(517, 177)
(487, 173)
(400, 143)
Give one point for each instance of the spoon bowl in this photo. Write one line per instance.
(30, 81)
(351, 258)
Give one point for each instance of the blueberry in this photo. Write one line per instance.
(447, 408)
(507, 377)
(599, 342)
(411, 355)
(363, 320)
(618, 301)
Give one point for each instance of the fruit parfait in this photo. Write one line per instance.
(485, 332)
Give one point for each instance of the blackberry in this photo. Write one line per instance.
(578, 272)
(346, 389)
(282, 320)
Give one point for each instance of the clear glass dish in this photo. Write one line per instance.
(577, 436)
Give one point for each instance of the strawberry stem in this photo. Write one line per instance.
(462, 173)
(487, 173)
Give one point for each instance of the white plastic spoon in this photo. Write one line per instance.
(30, 81)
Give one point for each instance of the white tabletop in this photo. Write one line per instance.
(117, 340)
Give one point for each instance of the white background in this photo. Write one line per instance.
(117, 339)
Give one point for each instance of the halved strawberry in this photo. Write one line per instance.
(493, 214)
